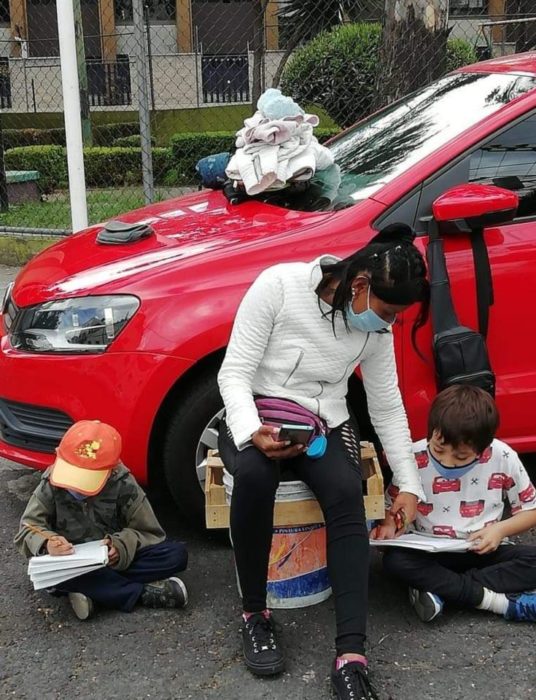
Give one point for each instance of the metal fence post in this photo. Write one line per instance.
(143, 102)
(71, 110)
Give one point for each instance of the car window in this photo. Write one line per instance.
(509, 161)
(385, 145)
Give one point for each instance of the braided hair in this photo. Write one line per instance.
(396, 271)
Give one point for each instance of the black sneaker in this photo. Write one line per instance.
(169, 593)
(351, 682)
(262, 654)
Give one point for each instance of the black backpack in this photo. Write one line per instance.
(460, 353)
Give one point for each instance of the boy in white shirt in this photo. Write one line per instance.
(466, 476)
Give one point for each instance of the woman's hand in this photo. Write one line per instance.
(406, 502)
(486, 540)
(265, 440)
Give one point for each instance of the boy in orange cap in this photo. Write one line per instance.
(87, 494)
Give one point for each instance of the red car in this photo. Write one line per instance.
(444, 530)
(486, 455)
(134, 333)
(470, 509)
(422, 459)
(425, 508)
(528, 494)
(498, 480)
(443, 485)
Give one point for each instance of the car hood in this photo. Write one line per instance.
(189, 227)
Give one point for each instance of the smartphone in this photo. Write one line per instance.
(296, 434)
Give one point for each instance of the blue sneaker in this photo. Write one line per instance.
(522, 607)
(427, 605)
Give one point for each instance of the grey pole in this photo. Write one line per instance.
(143, 102)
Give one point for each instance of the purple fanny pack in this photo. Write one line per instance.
(278, 411)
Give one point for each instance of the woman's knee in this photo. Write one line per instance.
(255, 473)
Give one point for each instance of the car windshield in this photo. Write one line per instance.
(388, 143)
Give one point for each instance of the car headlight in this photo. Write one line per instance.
(80, 325)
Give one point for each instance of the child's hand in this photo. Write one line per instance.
(486, 540)
(58, 546)
(113, 554)
(383, 531)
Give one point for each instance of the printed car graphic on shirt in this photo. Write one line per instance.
(425, 508)
(486, 455)
(393, 490)
(445, 530)
(528, 494)
(443, 485)
(499, 480)
(422, 459)
(470, 509)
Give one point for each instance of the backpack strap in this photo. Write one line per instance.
(442, 309)
(483, 279)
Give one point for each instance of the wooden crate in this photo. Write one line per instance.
(292, 512)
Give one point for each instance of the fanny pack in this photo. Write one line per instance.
(278, 411)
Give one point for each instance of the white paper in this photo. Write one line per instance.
(425, 543)
(50, 570)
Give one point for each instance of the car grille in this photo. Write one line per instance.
(32, 427)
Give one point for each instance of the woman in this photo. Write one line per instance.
(299, 333)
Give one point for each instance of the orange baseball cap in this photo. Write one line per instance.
(85, 457)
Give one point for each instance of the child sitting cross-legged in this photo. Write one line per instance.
(467, 475)
(87, 494)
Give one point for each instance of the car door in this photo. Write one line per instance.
(507, 159)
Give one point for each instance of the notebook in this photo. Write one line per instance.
(426, 543)
(48, 570)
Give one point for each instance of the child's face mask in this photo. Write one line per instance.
(450, 462)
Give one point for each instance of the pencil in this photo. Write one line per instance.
(38, 531)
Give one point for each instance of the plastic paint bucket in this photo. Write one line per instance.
(297, 570)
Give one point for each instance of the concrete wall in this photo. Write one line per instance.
(36, 83)
(5, 40)
(163, 39)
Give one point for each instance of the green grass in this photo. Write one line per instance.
(18, 251)
(56, 211)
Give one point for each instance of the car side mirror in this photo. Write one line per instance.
(465, 208)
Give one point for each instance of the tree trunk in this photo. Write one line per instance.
(414, 47)
(258, 48)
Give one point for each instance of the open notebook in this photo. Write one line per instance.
(47, 571)
(426, 543)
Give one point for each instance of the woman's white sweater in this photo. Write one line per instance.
(283, 345)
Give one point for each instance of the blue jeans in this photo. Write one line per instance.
(121, 589)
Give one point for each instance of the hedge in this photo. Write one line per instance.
(116, 167)
(133, 140)
(50, 161)
(104, 167)
(103, 135)
(188, 148)
(337, 70)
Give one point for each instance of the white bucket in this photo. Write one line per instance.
(297, 571)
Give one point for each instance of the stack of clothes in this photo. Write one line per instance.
(276, 146)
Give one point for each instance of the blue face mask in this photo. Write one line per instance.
(367, 321)
(452, 472)
(77, 496)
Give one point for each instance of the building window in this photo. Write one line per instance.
(463, 8)
(4, 12)
(159, 10)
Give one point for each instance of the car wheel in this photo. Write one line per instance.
(192, 431)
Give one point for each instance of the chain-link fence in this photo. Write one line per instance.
(205, 62)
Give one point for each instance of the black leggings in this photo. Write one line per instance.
(335, 479)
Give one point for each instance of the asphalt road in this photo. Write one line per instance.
(46, 653)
